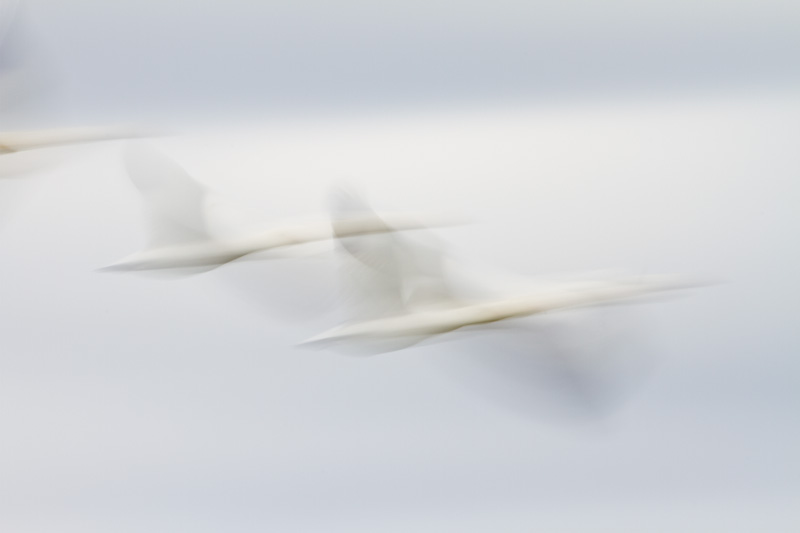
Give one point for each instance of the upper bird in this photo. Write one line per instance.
(184, 234)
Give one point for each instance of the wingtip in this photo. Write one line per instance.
(119, 266)
(109, 268)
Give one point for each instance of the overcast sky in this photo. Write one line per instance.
(131, 57)
(578, 136)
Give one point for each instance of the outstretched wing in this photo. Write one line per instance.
(174, 202)
(370, 272)
(385, 273)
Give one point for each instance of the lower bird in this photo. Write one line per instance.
(407, 297)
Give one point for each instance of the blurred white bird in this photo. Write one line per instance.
(185, 233)
(406, 297)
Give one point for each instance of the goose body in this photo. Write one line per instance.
(182, 235)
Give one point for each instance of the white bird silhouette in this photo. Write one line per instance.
(183, 231)
(407, 296)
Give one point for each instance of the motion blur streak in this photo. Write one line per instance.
(181, 236)
(420, 301)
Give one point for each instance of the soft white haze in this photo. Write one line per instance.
(133, 403)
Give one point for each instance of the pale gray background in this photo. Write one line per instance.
(579, 136)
